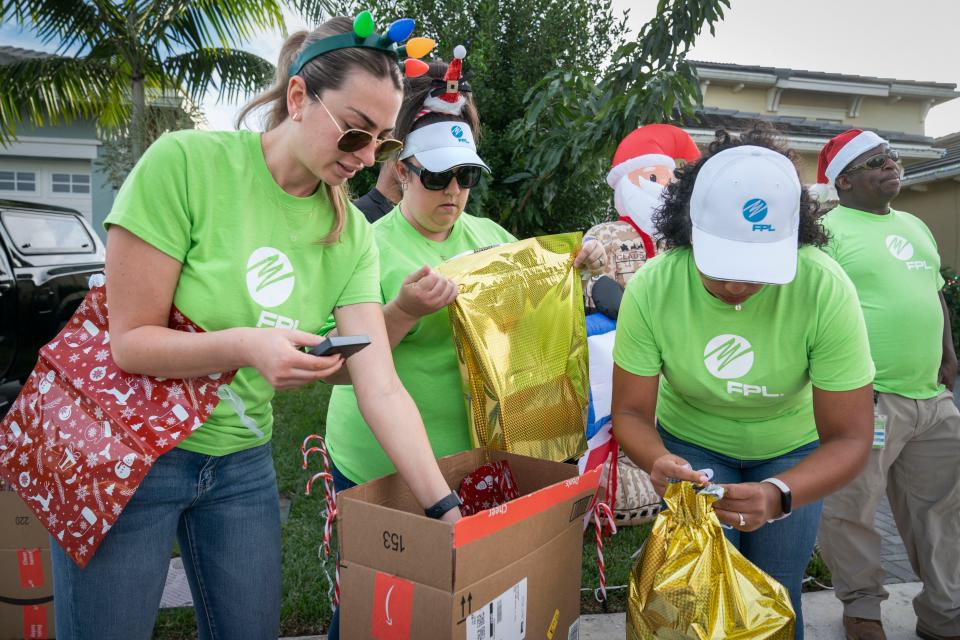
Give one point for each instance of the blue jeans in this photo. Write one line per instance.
(340, 483)
(225, 513)
(782, 549)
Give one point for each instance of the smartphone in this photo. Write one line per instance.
(345, 345)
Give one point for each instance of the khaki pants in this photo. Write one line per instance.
(920, 471)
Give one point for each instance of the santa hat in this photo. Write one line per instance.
(837, 155)
(447, 97)
(651, 145)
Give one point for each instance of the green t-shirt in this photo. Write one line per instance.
(738, 382)
(250, 253)
(893, 262)
(425, 359)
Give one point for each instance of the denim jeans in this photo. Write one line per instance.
(225, 513)
(340, 483)
(782, 549)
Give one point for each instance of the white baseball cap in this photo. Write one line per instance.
(443, 145)
(745, 211)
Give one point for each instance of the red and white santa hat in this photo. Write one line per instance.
(447, 96)
(649, 146)
(838, 153)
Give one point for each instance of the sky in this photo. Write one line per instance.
(882, 38)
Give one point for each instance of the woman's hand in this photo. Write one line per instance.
(672, 467)
(277, 355)
(591, 256)
(425, 291)
(747, 506)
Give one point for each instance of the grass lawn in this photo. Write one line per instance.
(305, 607)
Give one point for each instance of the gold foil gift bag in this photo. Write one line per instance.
(519, 331)
(690, 582)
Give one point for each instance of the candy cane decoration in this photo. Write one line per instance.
(329, 513)
(601, 511)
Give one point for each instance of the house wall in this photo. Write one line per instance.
(876, 113)
(939, 208)
(65, 148)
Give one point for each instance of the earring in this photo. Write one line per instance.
(296, 117)
(403, 186)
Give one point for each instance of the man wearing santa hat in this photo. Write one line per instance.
(892, 259)
(642, 167)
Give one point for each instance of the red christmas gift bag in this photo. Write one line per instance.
(82, 434)
(489, 485)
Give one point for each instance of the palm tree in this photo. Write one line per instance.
(110, 52)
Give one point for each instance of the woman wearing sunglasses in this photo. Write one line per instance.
(251, 237)
(437, 168)
(742, 350)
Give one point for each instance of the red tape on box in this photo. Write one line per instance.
(31, 573)
(485, 523)
(35, 622)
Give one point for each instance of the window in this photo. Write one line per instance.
(18, 181)
(71, 183)
(34, 233)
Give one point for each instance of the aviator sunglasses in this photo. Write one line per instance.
(355, 139)
(467, 176)
(874, 162)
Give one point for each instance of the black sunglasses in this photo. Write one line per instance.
(467, 176)
(874, 162)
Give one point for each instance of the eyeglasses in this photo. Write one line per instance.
(355, 139)
(467, 176)
(874, 162)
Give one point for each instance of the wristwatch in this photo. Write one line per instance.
(786, 499)
(443, 505)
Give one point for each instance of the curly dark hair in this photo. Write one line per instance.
(672, 219)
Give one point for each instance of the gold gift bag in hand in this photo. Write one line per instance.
(521, 343)
(690, 582)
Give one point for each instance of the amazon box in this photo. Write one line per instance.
(26, 582)
(509, 572)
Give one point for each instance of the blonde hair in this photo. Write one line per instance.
(327, 71)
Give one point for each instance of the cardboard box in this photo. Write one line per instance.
(26, 581)
(509, 572)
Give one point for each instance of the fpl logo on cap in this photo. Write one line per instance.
(754, 211)
(457, 132)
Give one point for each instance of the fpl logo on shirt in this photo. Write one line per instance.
(901, 249)
(270, 281)
(730, 356)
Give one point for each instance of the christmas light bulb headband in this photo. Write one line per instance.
(447, 95)
(364, 36)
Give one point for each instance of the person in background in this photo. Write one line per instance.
(892, 259)
(742, 350)
(383, 196)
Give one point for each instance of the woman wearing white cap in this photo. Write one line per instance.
(742, 350)
(437, 168)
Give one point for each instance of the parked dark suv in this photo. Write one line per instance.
(47, 255)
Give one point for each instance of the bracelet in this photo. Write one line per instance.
(448, 502)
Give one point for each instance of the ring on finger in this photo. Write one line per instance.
(742, 521)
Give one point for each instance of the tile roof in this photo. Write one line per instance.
(784, 72)
(716, 118)
(13, 54)
(950, 160)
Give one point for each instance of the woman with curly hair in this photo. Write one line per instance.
(741, 352)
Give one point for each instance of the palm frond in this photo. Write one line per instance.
(71, 24)
(206, 23)
(45, 90)
(234, 73)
